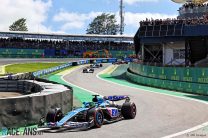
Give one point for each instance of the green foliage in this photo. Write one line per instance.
(19, 25)
(29, 67)
(104, 24)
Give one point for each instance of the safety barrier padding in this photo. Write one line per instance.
(182, 74)
(195, 88)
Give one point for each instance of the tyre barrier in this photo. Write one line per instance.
(38, 97)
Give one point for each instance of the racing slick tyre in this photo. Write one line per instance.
(54, 115)
(97, 116)
(128, 110)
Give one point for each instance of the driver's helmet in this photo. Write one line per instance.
(91, 104)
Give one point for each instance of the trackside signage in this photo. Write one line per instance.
(26, 131)
(50, 70)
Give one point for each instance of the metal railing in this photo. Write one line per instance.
(161, 30)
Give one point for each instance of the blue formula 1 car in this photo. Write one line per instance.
(100, 111)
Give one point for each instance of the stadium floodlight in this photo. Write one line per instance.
(121, 17)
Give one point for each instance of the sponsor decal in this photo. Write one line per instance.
(26, 131)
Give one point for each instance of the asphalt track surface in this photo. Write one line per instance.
(157, 115)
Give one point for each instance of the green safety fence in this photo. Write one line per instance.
(183, 74)
(189, 87)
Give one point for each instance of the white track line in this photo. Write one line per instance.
(187, 131)
(172, 135)
(62, 77)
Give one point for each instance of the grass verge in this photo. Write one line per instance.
(29, 67)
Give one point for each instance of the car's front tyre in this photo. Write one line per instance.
(97, 116)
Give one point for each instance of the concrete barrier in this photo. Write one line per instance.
(28, 109)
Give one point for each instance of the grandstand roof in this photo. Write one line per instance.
(54, 36)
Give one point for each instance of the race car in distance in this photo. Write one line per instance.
(88, 70)
(120, 62)
(100, 111)
(96, 65)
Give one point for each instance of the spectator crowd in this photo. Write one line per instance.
(66, 45)
(193, 5)
(186, 20)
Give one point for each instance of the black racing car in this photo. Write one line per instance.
(88, 70)
(120, 62)
(96, 65)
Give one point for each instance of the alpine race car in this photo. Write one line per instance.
(88, 70)
(100, 111)
(96, 65)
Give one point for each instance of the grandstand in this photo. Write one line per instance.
(178, 42)
(35, 45)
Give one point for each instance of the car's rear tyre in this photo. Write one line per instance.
(97, 116)
(54, 115)
(128, 110)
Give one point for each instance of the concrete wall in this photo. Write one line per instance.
(28, 109)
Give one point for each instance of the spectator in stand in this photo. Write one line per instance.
(187, 21)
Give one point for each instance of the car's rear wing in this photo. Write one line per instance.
(116, 97)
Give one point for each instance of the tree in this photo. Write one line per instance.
(104, 24)
(19, 25)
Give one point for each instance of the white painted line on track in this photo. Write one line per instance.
(42, 129)
(187, 131)
(172, 135)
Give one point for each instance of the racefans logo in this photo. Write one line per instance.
(26, 131)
